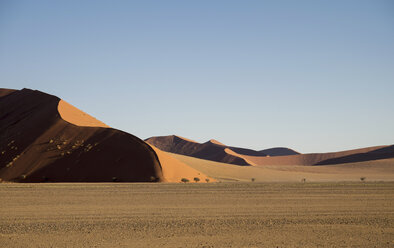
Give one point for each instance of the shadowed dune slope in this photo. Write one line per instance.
(376, 154)
(37, 145)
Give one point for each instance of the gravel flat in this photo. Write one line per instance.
(197, 215)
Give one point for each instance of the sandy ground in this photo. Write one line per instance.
(378, 170)
(197, 215)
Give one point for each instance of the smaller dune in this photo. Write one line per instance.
(77, 117)
(174, 170)
(210, 150)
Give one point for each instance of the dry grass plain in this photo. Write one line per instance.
(197, 215)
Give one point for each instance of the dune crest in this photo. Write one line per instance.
(180, 137)
(213, 141)
(77, 117)
(231, 152)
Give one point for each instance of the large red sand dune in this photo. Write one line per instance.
(43, 138)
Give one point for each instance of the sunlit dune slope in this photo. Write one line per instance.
(77, 117)
(174, 170)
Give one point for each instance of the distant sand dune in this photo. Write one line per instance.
(218, 152)
(307, 159)
(210, 150)
(380, 170)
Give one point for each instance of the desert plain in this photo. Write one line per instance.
(69, 180)
(227, 214)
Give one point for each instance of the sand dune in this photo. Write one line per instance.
(218, 152)
(174, 170)
(380, 170)
(44, 139)
(279, 151)
(365, 155)
(316, 158)
(210, 150)
(213, 141)
(37, 145)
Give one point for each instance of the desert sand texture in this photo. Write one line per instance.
(197, 215)
(379, 170)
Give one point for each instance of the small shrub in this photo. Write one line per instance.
(153, 179)
(196, 179)
(253, 179)
(303, 180)
(184, 180)
(363, 179)
(207, 180)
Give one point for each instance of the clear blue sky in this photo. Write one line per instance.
(311, 75)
